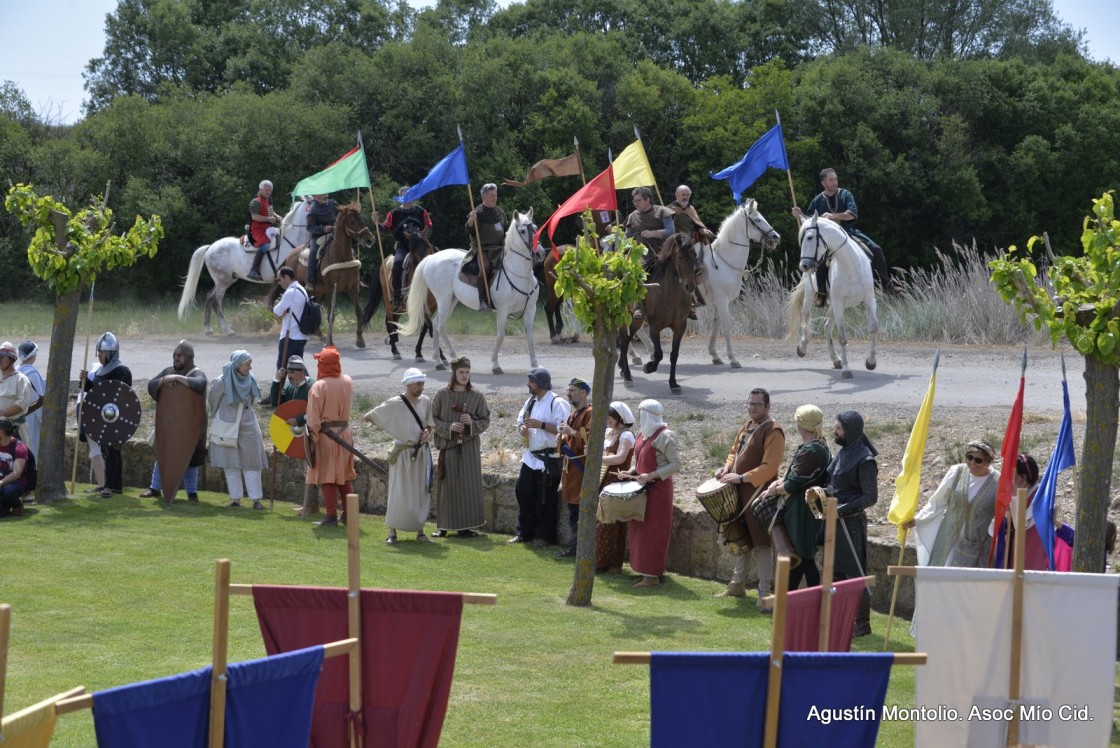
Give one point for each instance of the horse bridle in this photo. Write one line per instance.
(754, 223)
(829, 251)
(527, 240)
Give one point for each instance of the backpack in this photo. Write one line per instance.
(312, 316)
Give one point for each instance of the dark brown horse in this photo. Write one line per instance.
(339, 266)
(666, 305)
(545, 271)
(418, 248)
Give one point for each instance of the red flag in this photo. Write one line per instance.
(598, 194)
(1010, 453)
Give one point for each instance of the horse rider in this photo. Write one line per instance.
(686, 221)
(262, 218)
(321, 217)
(401, 222)
(492, 224)
(651, 225)
(839, 205)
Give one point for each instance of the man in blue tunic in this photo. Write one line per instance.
(839, 205)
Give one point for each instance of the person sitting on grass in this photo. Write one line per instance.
(13, 462)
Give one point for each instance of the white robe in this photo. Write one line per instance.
(410, 498)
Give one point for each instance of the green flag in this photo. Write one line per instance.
(348, 172)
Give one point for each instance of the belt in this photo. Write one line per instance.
(334, 424)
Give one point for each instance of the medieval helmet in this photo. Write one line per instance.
(108, 342)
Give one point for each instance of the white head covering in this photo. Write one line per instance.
(9, 350)
(27, 349)
(649, 413)
(413, 375)
(624, 412)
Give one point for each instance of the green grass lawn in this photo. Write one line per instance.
(108, 592)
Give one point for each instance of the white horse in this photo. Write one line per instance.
(228, 261)
(513, 291)
(850, 283)
(725, 264)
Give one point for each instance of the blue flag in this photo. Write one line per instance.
(769, 150)
(451, 170)
(1062, 458)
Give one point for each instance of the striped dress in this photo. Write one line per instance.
(459, 475)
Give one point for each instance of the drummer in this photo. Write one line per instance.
(296, 387)
(751, 465)
(181, 373)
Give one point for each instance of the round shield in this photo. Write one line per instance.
(111, 412)
(288, 439)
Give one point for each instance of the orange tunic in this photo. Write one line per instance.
(329, 400)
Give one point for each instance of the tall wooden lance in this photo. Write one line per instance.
(638, 135)
(579, 160)
(81, 388)
(477, 235)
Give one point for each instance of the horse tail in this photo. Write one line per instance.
(417, 301)
(371, 305)
(793, 309)
(190, 285)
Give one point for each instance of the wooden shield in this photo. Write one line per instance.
(180, 424)
(111, 412)
(284, 438)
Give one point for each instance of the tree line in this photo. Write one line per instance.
(987, 122)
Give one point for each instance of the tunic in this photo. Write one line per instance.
(459, 484)
(329, 400)
(842, 202)
(651, 220)
(16, 389)
(610, 538)
(33, 422)
(649, 539)
(807, 469)
(950, 530)
(571, 479)
(492, 224)
(249, 453)
(278, 396)
(410, 499)
(196, 383)
(756, 455)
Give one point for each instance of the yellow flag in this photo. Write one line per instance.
(908, 484)
(631, 168)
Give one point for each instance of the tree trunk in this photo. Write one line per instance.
(52, 464)
(605, 350)
(1102, 397)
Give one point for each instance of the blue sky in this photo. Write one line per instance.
(47, 44)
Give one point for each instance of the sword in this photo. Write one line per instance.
(350, 448)
(851, 545)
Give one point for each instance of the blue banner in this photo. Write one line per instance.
(1062, 458)
(769, 150)
(451, 170)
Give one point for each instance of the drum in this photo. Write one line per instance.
(720, 500)
(620, 502)
(766, 511)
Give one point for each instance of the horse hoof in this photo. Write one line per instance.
(847, 375)
(396, 356)
(440, 367)
(361, 344)
(716, 360)
(210, 332)
(650, 367)
(497, 370)
(419, 359)
(736, 365)
(231, 333)
(676, 390)
(870, 365)
(800, 352)
(837, 365)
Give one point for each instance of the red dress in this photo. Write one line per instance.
(649, 539)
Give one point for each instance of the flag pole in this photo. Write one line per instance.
(617, 212)
(793, 197)
(81, 389)
(638, 135)
(372, 203)
(905, 534)
(477, 235)
(579, 160)
(1073, 467)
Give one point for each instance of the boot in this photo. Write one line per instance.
(255, 271)
(734, 589)
(764, 566)
(98, 465)
(821, 300)
(822, 285)
(483, 304)
(863, 615)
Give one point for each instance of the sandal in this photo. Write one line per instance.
(106, 493)
(422, 538)
(391, 540)
(151, 493)
(442, 533)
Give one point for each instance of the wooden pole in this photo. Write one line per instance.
(777, 646)
(478, 240)
(789, 175)
(643, 658)
(275, 452)
(1017, 619)
(1006, 538)
(894, 593)
(826, 576)
(354, 612)
(5, 634)
(579, 160)
(330, 314)
(81, 389)
(376, 229)
(220, 654)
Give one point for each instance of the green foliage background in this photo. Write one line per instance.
(942, 131)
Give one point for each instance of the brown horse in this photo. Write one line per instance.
(339, 266)
(545, 272)
(666, 305)
(419, 248)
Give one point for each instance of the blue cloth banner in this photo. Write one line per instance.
(269, 701)
(708, 699)
(832, 698)
(451, 170)
(769, 150)
(1062, 458)
(171, 712)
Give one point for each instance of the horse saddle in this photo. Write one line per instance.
(247, 241)
(469, 271)
(866, 249)
(305, 249)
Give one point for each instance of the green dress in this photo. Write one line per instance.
(808, 468)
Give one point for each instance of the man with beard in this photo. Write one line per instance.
(321, 217)
(539, 424)
(853, 479)
(292, 383)
(181, 373)
(573, 445)
(492, 224)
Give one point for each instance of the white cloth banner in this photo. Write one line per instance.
(1068, 657)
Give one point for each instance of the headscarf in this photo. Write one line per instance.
(9, 350)
(27, 349)
(238, 388)
(649, 414)
(459, 362)
(188, 350)
(540, 377)
(622, 410)
(856, 447)
(413, 375)
(330, 362)
(978, 446)
(810, 418)
(108, 344)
